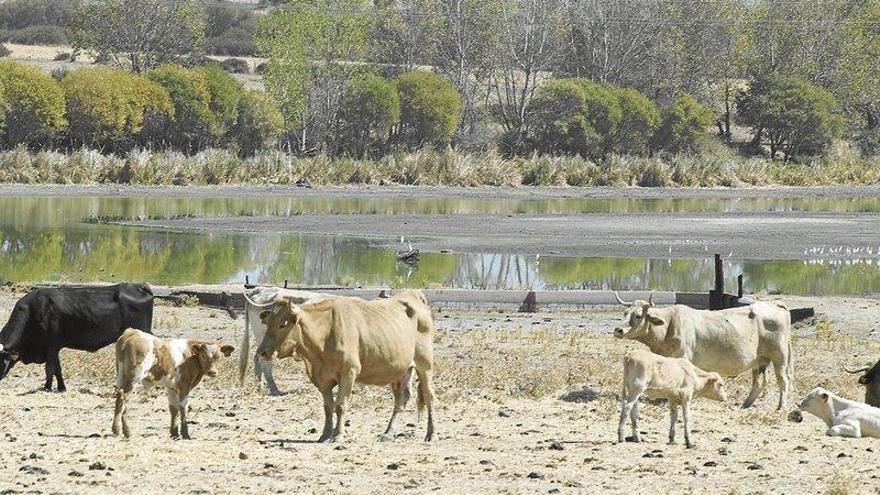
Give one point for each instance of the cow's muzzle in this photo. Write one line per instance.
(796, 416)
(618, 332)
(5, 365)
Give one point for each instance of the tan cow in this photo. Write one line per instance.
(343, 341)
(176, 364)
(675, 379)
(729, 342)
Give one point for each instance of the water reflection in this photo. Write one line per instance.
(52, 211)
(83, 253)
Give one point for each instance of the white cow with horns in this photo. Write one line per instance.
(729, 342)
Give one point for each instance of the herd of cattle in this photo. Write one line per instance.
(343, 340)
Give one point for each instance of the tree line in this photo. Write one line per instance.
(784, 78)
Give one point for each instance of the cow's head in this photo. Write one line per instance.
(714, 387)
(7, 361)
(208, 354)
(280, 320)
(871, 380)
(637, 318)
(817, 403)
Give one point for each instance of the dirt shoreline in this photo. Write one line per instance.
(743, 235)
(439, 192)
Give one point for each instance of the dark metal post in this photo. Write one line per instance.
(719, 273)
(739, 284)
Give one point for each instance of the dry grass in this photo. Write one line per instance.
(428, 168)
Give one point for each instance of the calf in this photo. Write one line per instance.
(674, 379)
(176, 364)
(844, 417)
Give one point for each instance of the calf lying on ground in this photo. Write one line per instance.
(844, 417)
(674, 379)
(176, 364)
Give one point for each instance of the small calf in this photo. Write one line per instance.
(176, 364)
(844, 417)
(659, 377)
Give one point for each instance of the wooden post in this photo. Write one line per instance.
(739, 284)
(285, 283)
(716, 296)
(529, 304)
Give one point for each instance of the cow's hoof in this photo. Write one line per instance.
(690, 445)
(385, 437)
(633, 439)
(277, 393)
(61, 390)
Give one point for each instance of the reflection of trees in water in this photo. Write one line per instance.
(87, 255)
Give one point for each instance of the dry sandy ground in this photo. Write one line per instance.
(509, 385)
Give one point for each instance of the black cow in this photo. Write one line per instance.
(871, 381)
(84, 318)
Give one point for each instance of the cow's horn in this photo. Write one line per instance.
(857, 370)
(1, 347)
(619, 300)
(651, 299)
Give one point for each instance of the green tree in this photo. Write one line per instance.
(683, 127)
(139, 35)
(309, 46)
(792, 115)
(111, 108)
(639, 119)
(369, 109)
(34, 105)
(430, 109)
(194, 124)
(259, 124)
(858, 77)
(225, 93)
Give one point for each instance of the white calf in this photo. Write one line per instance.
(844, 417)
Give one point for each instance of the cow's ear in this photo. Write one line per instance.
(824, 397)
(196, 347)
(864, 380)
(14, 356)
(264, 316)
(656, 320)
(227, 350)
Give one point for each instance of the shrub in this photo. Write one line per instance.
(230, 31)
(793, 115)
(369, 108)
(683, 127)
(259, 123)
(35, 105)
(64, 57)
(430, 109)
(574, 116)
(235, 66)
(40, 35)
(194, 124)
(111, 108)
(4, 52)
(225, 93)
(235, 42)
(639, 119)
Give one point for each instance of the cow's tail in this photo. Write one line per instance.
(421, 400)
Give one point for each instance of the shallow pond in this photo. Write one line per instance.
(57, 238)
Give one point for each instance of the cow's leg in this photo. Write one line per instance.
(53, 369)
(686, 413)
(120, 424)
(400, 390)
(326, 389)
(343, 393)
(673, 418)
(853, 430)
(174, 409)
(426, 398)
(782, 382)
(269, 373)
(184, 427)
(757, 372)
